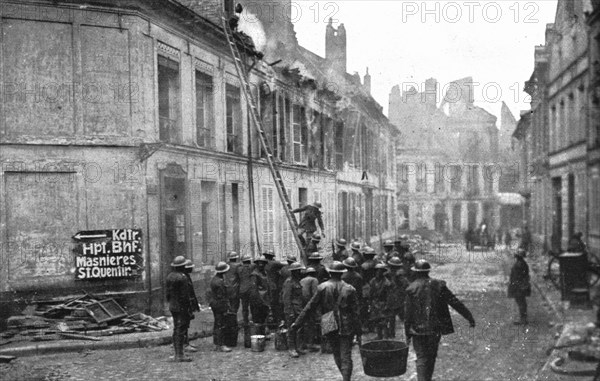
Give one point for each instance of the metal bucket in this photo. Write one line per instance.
(258, 343)
(384, 358)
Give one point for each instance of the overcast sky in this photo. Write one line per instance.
(405, 42)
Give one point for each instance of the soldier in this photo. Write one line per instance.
(313, 244)
(408, 262)
(404, 246)
(397, 294)
(272, 268)
(338, 301)
(293, 302)
(308, 224)
(284, 273)
(260, 294)
(368, 266)
(309, 288)
(232, 281)
(220, 306)
(519, 286)
(314, 261)
(358, 258)
(379, 291)
(189, 267)
(388, 251)
(178, 296)
(354, 279)
(428, 317)
(244, 272)
(340, 252)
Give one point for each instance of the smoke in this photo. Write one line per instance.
(251, 25)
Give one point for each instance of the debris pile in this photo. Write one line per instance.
(82, 318)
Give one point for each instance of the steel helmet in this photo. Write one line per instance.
(421, 266)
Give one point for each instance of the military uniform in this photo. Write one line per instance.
(428, 317)
(293, 302)
(260, 298)
(326, 298)
(397, 297)
(178, 294)
(378, 310)
(244, 271)
(220, 306)
(273, 269)
(232, 282)
(310, 285)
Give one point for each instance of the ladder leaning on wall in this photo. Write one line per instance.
(257, 122)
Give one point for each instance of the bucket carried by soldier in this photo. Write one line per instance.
(384, 358)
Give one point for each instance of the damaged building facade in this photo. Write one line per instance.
(559, 138)
(446, 158)
(126, 120)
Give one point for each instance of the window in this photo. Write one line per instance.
(402, 178)
(268, 114)
(168, 100)
(268, 218)
(455, 178)
(595, 204)
(357, 146)
(553, 127)
(233, 118)
(284, 111)
(572, 120)
(235, 216)
(299, 134)
(472, 180)
(328, 140)
(287, 238)
(439, 185)
(204, 110)
(421, 178)
(385, 213)
(339, 145)
(561, 125)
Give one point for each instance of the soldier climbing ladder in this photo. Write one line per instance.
(285, 200)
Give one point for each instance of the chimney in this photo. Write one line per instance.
(335, 46)
(367, 82)
(430, 96)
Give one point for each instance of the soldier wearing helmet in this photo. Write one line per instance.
(379, 292)
(293, 302)
(232, 281)
(336, 297)
(340, 253)
(388, 251)
(178, 296)
(354, 279)
(428, 316)
(397, 295)
(310, 283)
(312, 215)
(260, 294)
(220, 305)
(244, 272)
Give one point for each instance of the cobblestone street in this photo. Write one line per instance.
(495, 350)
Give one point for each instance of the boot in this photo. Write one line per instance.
(224, 348)
(190, 348)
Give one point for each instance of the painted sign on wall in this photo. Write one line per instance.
(105, 254)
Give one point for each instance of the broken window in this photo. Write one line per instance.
(204, 110)
(168, 100)
(233, 118)
(268, 116)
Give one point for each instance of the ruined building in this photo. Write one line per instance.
(446, 158)
(129, 115)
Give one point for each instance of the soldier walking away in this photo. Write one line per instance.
(379, 294)
(428, 317)
(220, 306)
(519, 286)
(194, 307)
(273, 268)
(293, 303)
(368, 272)
(232, 281)
(397, 294)
(354, 279)
(308, 224)
(340, 253)
(244, 272)
(388, 251)
(260, 294)
(178, 296)
(336, 299)
(310, 285)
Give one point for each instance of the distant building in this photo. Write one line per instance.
(446, 159)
